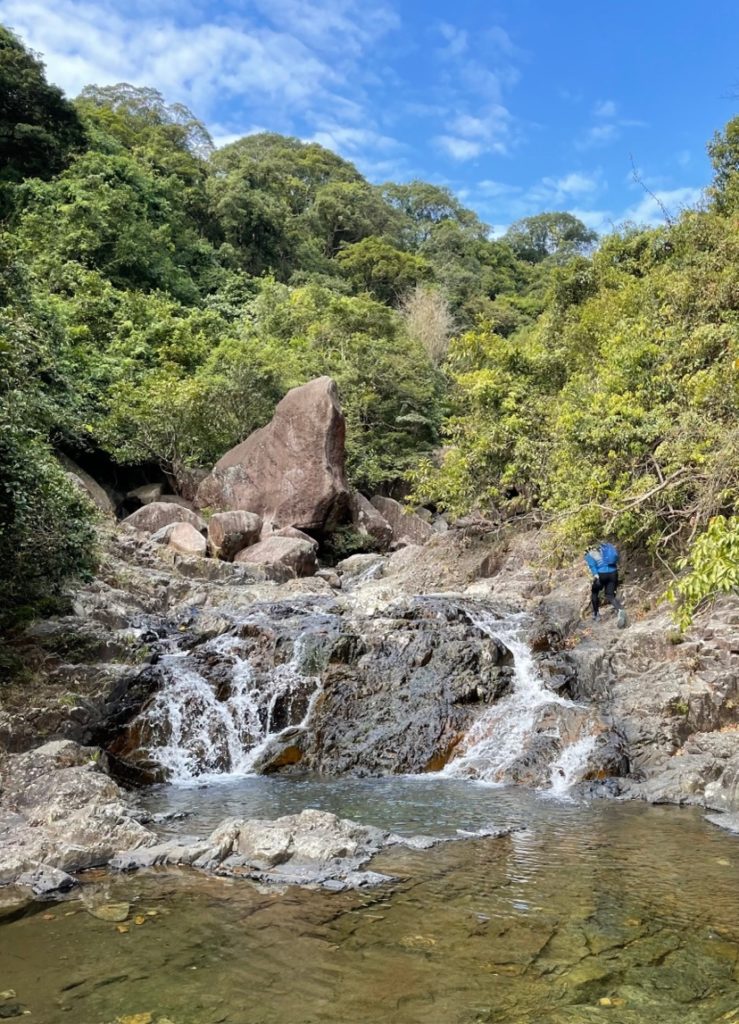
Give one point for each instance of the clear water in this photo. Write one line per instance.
(593, 912)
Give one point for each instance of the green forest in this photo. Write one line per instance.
(158, 297)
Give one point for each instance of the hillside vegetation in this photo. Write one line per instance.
(158, 297)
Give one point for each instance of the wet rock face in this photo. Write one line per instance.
(290, 472)
(399, 694)
(296, 685)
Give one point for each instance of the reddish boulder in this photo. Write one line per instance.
(368, 520)
(407, 527)
(284, 557)
(157, 514)
(231, 532)
(290, 472)
(182, 537)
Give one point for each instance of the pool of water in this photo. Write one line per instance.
(591, 912)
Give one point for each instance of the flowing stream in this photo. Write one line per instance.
(587, 912)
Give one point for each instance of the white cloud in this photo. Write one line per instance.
(468, 136)
(608, 126)
(605, 108)
(350, 141)
(459, 149)
(493, 189)
(456, 40)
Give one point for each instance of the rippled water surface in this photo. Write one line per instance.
(593, 912)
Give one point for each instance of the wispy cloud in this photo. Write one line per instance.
(455, 39)
(605, 108)
(476, 73)
(608, 126)
(651, 208)
(283, 59)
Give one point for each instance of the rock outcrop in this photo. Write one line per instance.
(368, 520)
(158, 514)
(60, 813)
(183, 538)
(290, 472)
(406, 526)
(89, 485)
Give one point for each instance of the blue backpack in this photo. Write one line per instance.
(609, 554)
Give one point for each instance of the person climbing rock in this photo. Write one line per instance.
(602, 560)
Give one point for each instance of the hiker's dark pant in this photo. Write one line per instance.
(607, 581)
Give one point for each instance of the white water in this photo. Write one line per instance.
(497, 741)
(195, 735)
(203, 736)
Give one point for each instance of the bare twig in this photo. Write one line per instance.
(640, 181)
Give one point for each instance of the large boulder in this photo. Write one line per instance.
(290, 472)
(368, 520)
(285, 557)
(183, 538)
(407, 527)
(231, 532)
(153, 517)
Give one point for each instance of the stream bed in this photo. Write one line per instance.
(596, 911)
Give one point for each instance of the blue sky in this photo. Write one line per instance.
(518, 106)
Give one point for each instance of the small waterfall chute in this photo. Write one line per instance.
(532, 734)
(195, 728)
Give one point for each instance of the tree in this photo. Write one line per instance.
(423, 205)
(723, 150)
(39, 128)
(374, 265)
(46, 525)
(558, 235)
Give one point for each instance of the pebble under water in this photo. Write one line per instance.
(592, 912)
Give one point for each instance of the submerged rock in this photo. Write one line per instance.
(311, 848)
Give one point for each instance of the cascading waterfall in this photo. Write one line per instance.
(498, 741)
(196, 734)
